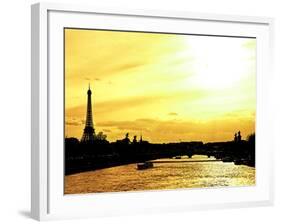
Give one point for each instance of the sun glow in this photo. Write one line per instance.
(165, 86)
(217, 64)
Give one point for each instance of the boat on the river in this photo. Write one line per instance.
(145, 165)
(239, 162)
(227, 159)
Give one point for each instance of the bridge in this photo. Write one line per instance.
(81, 157)
(185, 161)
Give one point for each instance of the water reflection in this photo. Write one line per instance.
(184, 173)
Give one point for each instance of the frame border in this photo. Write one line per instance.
(40, 89)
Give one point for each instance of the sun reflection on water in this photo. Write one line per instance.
(184, 173)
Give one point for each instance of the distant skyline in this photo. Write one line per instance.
(165, 87)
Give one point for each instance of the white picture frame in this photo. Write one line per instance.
(47, 198)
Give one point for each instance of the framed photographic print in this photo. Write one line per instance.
(138, 111)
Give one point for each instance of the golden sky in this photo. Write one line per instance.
(167, 87)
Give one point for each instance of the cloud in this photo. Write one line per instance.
(163, 131)
(124, 125)
(240, 114)
(146, 120)
(127, 66)
(142, 100)
(173, 114)
(115, 105)
(114, 53)
(170, 130)
(74, 121)
(127, 102)
(89, 79)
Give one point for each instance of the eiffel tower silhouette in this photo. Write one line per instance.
(89, 131)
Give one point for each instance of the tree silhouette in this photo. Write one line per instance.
(100, 136)
(251, 138)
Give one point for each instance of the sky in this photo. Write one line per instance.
(165, 87)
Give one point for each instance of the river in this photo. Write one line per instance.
(177, 173)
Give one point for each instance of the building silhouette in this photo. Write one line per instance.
(89, 131)
(237, 137)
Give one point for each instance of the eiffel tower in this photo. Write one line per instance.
(89, 131)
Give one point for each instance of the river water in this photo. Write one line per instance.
(177, 173)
